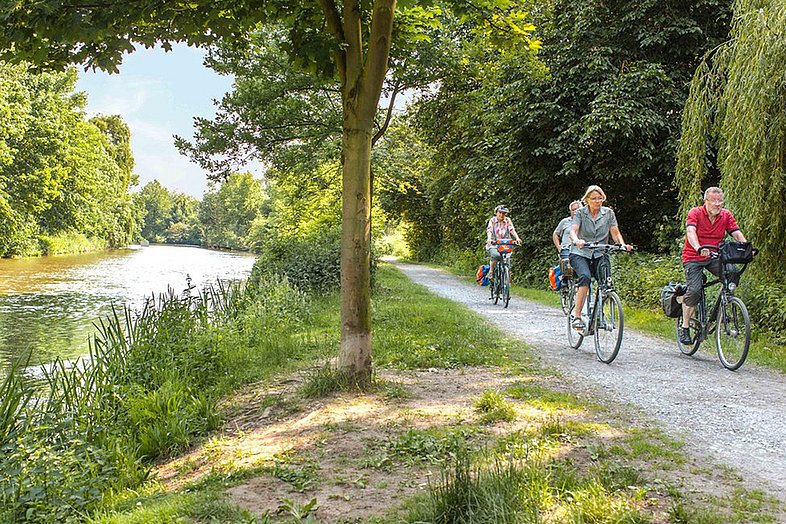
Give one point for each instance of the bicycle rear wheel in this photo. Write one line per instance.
(733, 333)
(575, 337)
(608, 327)
(695, 334)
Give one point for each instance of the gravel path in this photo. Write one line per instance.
(736, 418)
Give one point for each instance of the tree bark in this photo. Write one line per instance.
(361, 88)
(355, 353)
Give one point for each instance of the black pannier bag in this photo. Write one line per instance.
(734, 252)
(668, 298)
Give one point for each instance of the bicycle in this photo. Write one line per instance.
(728, 320)
(604, 310)
(500, 285)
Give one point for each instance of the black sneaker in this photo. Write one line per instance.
(685, 339)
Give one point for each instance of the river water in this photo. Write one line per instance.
(48, 305)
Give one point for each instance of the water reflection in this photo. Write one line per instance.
(48, 305)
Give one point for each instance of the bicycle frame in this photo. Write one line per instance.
(605, 325)
(502, 268)
(604, 286)
(707, 322)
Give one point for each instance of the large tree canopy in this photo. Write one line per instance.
(350, 41)
(734, 127)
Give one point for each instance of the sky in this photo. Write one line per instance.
(158, 94)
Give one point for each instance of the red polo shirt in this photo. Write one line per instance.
(711, 233)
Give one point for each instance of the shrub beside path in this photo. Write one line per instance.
(732, 418)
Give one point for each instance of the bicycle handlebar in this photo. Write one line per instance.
(607, 247)
(714, 250)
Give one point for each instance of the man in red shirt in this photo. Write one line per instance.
(706, 225)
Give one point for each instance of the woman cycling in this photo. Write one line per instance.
(499, 226)
(591, 223)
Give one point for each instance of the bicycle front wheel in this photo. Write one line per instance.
(575, 337)
(506, 286)
(608, 327)
(733, 333)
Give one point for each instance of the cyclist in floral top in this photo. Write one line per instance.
(499, 226)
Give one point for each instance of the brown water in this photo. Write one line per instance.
(48, 305)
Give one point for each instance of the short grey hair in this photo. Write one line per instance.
(712, 191)
(575, 202)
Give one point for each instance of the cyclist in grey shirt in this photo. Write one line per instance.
(591, 223)
(561, 235)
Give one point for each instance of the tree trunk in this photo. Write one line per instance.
(362, 75)
(355, 353)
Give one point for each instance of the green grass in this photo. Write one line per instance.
(544, 398)
(434, 445)
(206, 501)
(480, 477)
(492, 408)
(65, 243)
(413, 329)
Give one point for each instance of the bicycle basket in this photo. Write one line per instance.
(504, 248)
(736, 252)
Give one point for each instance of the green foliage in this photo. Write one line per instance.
(312, 263)
(228, 212)
(766, 302)
(63, 243)
(733, 128)
(168, 216)
(51, 473)
(59, 173)
(639, 277)
(600, 105)
(434, 445)
(291, 118)
(14, 398)
(148, 388)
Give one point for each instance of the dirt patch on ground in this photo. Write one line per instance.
(357, 455)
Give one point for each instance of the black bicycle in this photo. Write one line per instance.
(500, 285)
(728, 320)
(604, 310)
